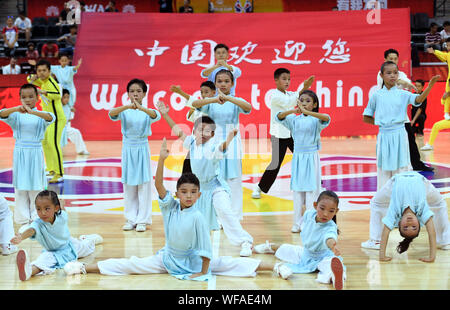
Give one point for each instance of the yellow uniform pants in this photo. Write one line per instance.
(438, 126)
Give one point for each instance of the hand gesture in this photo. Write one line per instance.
(222, 63)
(33, 77)
(222, 98)
(336, 251)
(79, 62)
(42, 92)
(427, 259)
(16, 239)
(21, 109)
(162, 107)
(175, 88)
(27, 108)
(308, 82)
(164, 152)
(32, 62)
(435, 78)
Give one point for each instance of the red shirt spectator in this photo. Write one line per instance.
(49, 50)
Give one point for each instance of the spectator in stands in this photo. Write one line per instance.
(111, 7)
(32, 53)
(210, 7)
(12, 68)
(445, 34)
(50, 50)
(70, 39)
(433, 38)
(10, 35)
(186, 8)
(23, 23)
(63, 14)
(165, 6)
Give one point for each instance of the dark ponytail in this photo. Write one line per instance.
(404, 245)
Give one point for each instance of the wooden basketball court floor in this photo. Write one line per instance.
(92, 194)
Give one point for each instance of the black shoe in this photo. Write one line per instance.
(426, 168)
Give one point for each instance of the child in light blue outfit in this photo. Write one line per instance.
(225, 109)
(136, 122)
(6, 229)
(319, 235)
(28, 125)
(52, 233)
(387, 108)
(187, 254)
(306, 171)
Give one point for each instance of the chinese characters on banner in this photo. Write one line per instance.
(344, 62)
(345, 5)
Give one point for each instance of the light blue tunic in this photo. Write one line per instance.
(65, 80)
(136, 127)
(408, 191)
(205, 164)
(305, 131)
(55, 238)
(187, 239)
(28, 157)
(314, 239)
(67, 113)
(212, 77)
(226, 117)
(389, 109)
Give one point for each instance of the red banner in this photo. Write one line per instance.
(344, 52)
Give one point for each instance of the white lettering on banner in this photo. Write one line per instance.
(198, 54)
(248, 49)
(338, 54)
(356, 4)
(103, 103)
(178, 103)
(129, 8)
(346, 5)
(52, 11)
(296, 49)
(153, 52)
(94, 8)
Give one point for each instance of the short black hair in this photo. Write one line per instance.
(63, 55)
(390, 51)
(50, 195)
(28, 86)
(387, 63)
(224, 71)
(446, 23)
(189, 178)
(65, 91)
(205, 120)
(221, 45)
(330, 195)
(44, 62)
(140, 82)
(279, 72)
(422, 82)
(209, 84)
(432, 25)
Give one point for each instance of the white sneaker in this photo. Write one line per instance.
(282, 270)
(371, 244)
(295, 228)
(23, 265)
(84, 153)
(8, 249)
(444, 247)
(97, 238)
(74, 267)
(256, 194)
(246, 249)
(128, 226)
(426, 147)
(264, 248)
(337, 276)
(141, 227)
(447, 116)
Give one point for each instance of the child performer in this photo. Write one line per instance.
(418, 114)
(319, 238)
(206, 155)
(29, 126)
(445, 57)
(281, 139)
(207, 90)
(71, 133)
(6, 229)
(136, 169)
(224, 109)
(389, 106)
(52, 232)
(404, 194)
(187, 253)
(51, 102)
(442, 124)
(221, 54)
(306, 171)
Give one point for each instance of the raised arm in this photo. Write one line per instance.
(78, 65)
(307, 83)
(164, 110)
(159, 176)
(177, 89)
(432, 242)
(6, 112)
(383, 244)
(423, 96)
(223, 147)
(282, 115)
